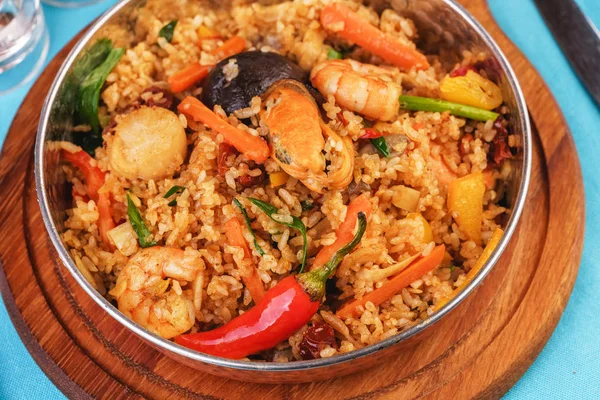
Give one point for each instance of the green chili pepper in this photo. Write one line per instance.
(333, 54)
(167, 31)
(89, 91)
(171, 192)
(135, 219)
(247, 219)
(425, 104)
(381, 146)
(296, 223)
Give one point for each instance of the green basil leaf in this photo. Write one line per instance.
(135, 219)
(381, 146)
(296, 223)
(247, 219)
(174, 190)
(167, 31)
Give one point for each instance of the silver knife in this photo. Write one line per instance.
(578, 38)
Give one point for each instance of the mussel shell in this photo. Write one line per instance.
(258, 71)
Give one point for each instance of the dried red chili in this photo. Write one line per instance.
(316, 338)
(283, 310)
(499, 149)
(462, 71)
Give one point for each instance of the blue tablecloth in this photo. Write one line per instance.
(569, 365)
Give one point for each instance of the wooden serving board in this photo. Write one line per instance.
(478, 351)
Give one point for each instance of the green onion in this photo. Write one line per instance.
(296, 223)
(307, 205)
(135, 219)
(247, 219)
(333, 54)
(425, 104)
(167, 30)
(171, 192)
(381, 146)
(89, 91)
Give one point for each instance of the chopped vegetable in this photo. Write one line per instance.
(284, 309)
(344, 22)
(415, 271)
(188, 76)
(235, 237)
(124, 238)
(92, 175)
(487, 252)
(395, 269)
(371, 133)
(251, 146)
(333, 54)
(247, 219)
(105, 220)
(343, 234)
(316, 338)
(296, 223)
(425, 104)
(406, 198)
(381, 146)
(427, 233)
(307, 205)
(231, 47)
(278, 178)
(171, 192)
(465, 200)
(135, 218)
(205, 33)
(472, 90)
(168, 30)
(89, 91)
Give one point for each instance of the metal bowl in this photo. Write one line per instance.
(444, 26)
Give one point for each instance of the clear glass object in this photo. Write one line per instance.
(23, 42)
(70, 3)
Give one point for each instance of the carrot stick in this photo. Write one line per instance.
(231, 47)
(93, 176)
(252, 147)
(235, 237)
(345, 232)
(105, 221)
(487, 252)
(343, 21)
(415, 271)
(188, 76)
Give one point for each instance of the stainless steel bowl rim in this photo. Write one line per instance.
(297, 365)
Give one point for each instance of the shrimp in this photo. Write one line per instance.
(141, 289)
(297, 136)
(362, 88)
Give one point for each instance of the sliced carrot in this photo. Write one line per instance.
(345, 232)
(230, 47)
(105, 221)
(487, 252)
(251, 146)
(93, 176)
(346, 23)
(188, 76)
(415, 271)
(235, 237)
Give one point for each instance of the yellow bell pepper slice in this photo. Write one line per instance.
(278, 178)
(427, 233)
(465, 200)
(472, 90)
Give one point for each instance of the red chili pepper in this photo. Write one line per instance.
(462, 71)
(283, 310)
(343, 120)
(371, 133)
(93, 176)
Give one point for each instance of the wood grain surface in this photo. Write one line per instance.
(478, 351)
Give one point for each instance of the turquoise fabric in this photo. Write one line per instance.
(569, 365)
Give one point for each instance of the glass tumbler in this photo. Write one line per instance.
(23, 42)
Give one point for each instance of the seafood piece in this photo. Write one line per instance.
(148, 143)
(142, 289)
(362, 88)
(297, 135)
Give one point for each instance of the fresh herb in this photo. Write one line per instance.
(425, 104)
(452, 268)
(89, 91)
(296, 223)
(135, 219)
(171, 192)
(247, 219)
(167, 31)
(381, 146)
(307, 205)
(333, 54)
